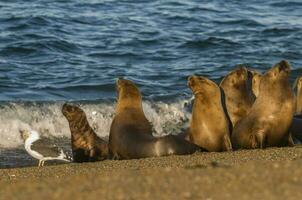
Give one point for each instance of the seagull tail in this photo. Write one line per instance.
(67, 156)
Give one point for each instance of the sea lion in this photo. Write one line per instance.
(255, 81)
(209, 125)
(268, 122)
(239, 98)
(298, 92)
(296, 128)
(131, 133)
(86, 145)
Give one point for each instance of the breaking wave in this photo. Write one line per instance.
(47, 119)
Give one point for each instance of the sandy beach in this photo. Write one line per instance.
(273, 173)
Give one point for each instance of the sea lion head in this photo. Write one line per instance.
(277, 74)
(279, 71)
(238, 79)
(201, 85)
(72, 112)
(275, 80)
(128, 94)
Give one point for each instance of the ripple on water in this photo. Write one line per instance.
(60, 46)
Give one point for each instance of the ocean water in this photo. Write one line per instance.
(57, 51)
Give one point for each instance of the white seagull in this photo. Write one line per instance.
(42, 148)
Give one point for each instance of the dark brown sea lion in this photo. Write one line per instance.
(209, 126)
(268, 122)
(86, 145)
(296, 128)
(239, 97)
(131, 133)
(298, 92)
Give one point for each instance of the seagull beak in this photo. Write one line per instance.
(24, 134)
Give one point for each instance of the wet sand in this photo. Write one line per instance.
(274, 173)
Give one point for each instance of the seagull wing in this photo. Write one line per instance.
(46, 147)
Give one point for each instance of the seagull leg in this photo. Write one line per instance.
(40, 161)
(43, 163)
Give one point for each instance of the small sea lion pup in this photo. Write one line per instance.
(267, 124)
(86, 145)
(131, 133)
(298, 91)
(239, 97)
(209, 125)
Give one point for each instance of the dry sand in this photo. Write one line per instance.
(274, 173)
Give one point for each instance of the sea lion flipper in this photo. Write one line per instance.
(91, 153)
(227, 145)
(290, 140)
(261, 139)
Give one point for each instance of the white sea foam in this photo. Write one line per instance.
(47, 119)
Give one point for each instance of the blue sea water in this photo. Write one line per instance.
(60, 50)
(75, 50)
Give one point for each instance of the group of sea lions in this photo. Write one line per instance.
(247, 110)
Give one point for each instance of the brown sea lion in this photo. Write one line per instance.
(298, 92)
(239, 97)
(255, 81)
(209, 126)
(86, 145)
(296, 127)
(131, 133)
(268, 122)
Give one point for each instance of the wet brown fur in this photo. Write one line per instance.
(209, 125)
(267, 124)
(131, 133)
(298, 95)
(239, 98)
(86, 145)
(256, 81)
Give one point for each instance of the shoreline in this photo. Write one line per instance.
(273, 173)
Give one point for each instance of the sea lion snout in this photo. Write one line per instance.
(241, 70)
(194, 80)
(126, 89)
(284, 66)
(119, 80)
(241, 74)
(191, 80)
(123, 83)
